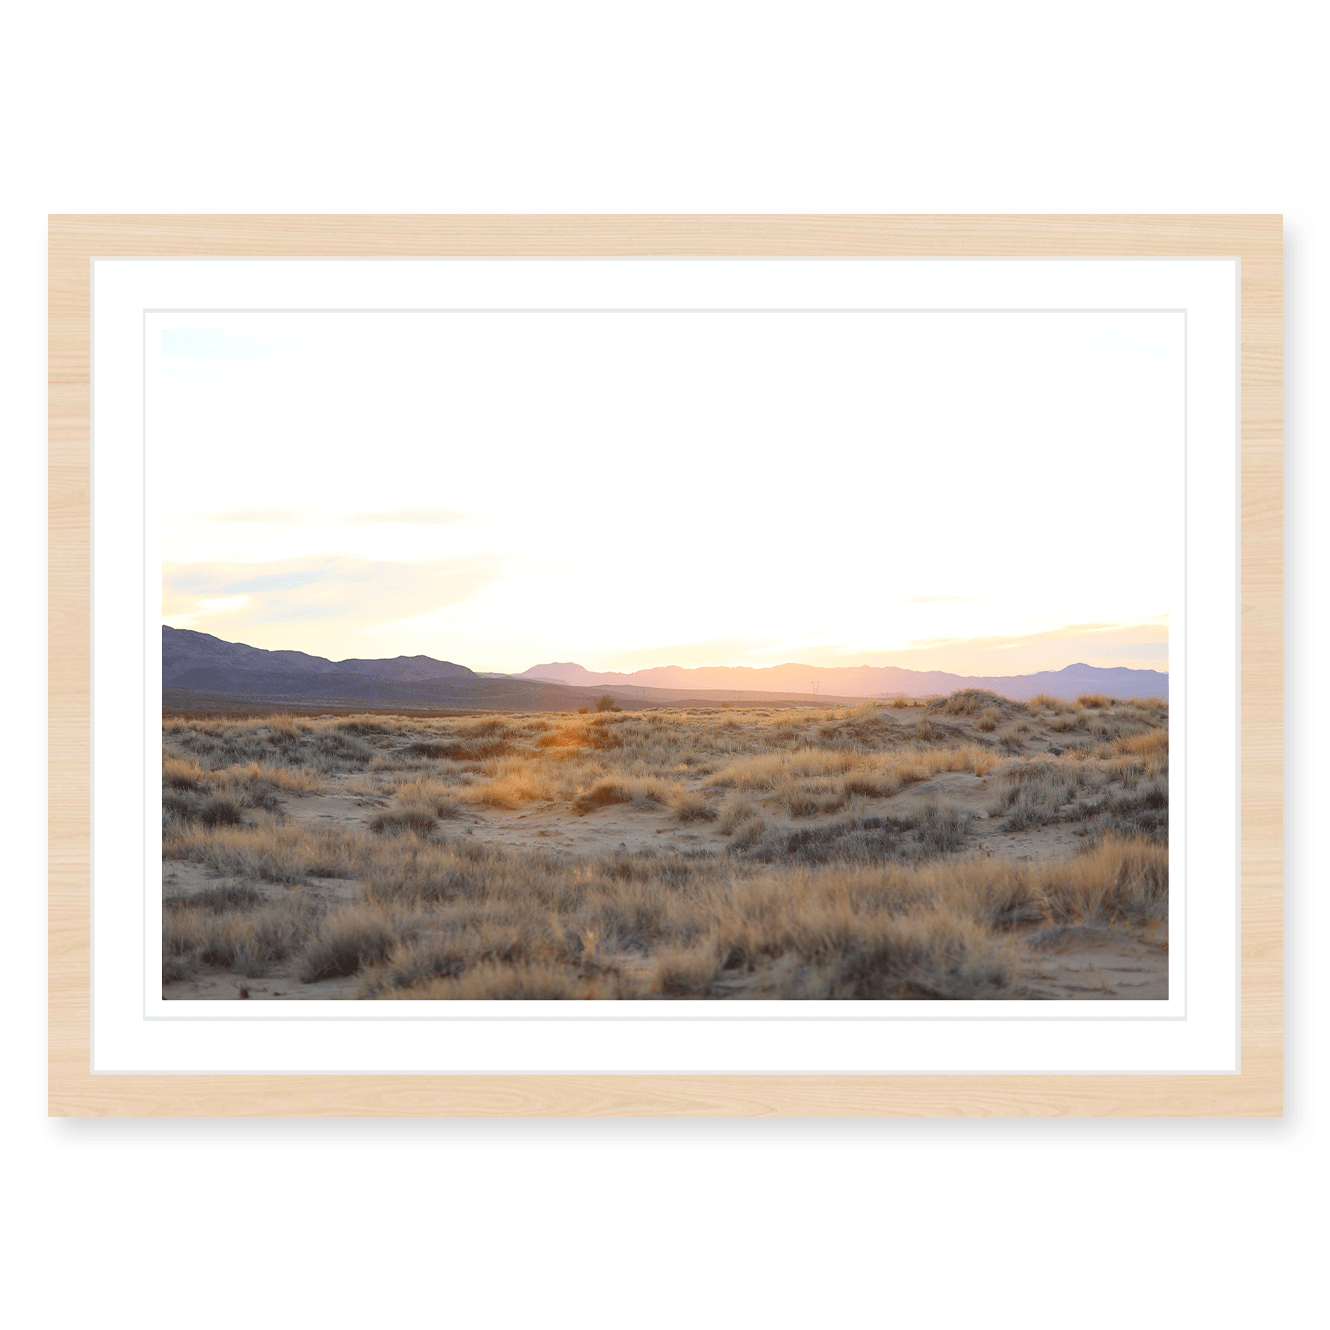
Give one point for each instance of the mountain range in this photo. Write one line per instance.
(200, 670)
(200, 663)
(864, 680)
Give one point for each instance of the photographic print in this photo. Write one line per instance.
(666, 655)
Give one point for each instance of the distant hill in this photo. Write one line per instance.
(200, 661)
(864, 680)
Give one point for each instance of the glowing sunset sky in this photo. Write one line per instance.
(978, 493)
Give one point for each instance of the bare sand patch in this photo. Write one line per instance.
(1089, 963)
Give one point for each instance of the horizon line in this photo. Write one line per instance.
(686, 668)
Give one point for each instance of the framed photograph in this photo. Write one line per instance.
(665, 665)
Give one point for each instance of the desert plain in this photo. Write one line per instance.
(967, 847)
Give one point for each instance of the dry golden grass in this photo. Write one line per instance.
(988, 720)
(1046, 702)
(423, 792)
(1096, 700)
(736, 811)
(810, 780)
(186, 774)
(348, 940)
(877, 904)
(971, 702)
(689, 806)
(1030, 793)
(234, 929)
(270, 850)
(487, 925)
(513, 783)
(1151, 744)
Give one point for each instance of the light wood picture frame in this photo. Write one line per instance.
(74, 1090)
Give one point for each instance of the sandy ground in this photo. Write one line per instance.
(1080, 963)
(1095, 963)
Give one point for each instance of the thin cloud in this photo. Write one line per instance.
(393, 517)
(351, 594)
(412, 516)
(259, 515)
(209, 607)
(938, 600)
(1159, 623)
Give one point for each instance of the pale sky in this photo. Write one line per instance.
(980, 493)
